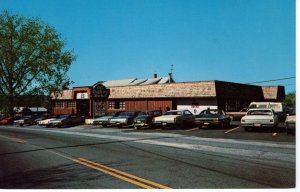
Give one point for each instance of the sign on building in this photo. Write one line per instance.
(99, 94)
(82, 96)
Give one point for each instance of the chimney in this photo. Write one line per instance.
(170, 77)
(155, 75)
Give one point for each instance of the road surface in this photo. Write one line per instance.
(110, 158)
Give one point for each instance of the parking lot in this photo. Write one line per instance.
(232, 132)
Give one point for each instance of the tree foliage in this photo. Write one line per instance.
(32, 57)
(290, 99)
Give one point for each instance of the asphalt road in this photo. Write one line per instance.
(87, 157)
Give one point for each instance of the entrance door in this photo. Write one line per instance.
(83, 107)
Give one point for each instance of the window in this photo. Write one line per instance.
(187, 113)
(116, 105)
(59, 104)
(71, 104)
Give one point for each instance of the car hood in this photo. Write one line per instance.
(47, 120)
(166, 117)
(122, 117)
(103, 118)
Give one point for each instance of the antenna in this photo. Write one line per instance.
(172, 68)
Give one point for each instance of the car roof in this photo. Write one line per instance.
(256, 109)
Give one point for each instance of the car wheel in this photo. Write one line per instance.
(180, 125)
(200, 126)
(248, 128)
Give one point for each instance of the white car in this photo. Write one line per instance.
(260, 117)
(290, 123)
(175, 118)
(45, 122)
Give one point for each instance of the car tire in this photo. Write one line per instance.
(200, 126)
(247, 129)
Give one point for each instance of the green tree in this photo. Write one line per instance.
(290, 99)
(33, 59)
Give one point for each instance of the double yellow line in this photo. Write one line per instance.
(144, 183)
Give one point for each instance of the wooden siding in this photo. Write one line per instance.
(203, 89)
(141, 105)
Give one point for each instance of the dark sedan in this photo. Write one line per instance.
(212, 117)
(26, 120)
(144, 118)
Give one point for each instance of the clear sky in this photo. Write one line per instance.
(240, 41)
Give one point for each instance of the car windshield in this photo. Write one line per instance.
(143, 113)
(127, 114)
(244, 110)
(63, 116)
(211, 112)
(260, 112)
(173, 113)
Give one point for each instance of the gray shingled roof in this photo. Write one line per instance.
(135, 81)
(151, 81)
(118, 83)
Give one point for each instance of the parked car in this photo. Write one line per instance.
(104, 120)
(9, 120)
(260, 117)
(212, 117)
(66, 121)
(124, 119)
(174, 118)
(236, 116)
(25, 120)
(46, 121)
(290, 122)
(40, 118)
(278, 107)
(144, 118)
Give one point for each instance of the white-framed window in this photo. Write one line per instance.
(59, 104)
(116, 105)
(71, 104)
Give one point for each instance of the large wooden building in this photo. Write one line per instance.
(161, 93)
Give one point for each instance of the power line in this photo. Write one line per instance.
(271, 80)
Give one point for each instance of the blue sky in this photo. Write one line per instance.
(241, 41)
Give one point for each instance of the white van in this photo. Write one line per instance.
(276, 106)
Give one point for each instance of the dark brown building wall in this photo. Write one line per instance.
(145, 104)
(235, 96)
(60, 111)
(65, 110)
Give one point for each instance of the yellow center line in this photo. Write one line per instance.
(232, 129)
(126, 174)
(115, 175)
(13, 139)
